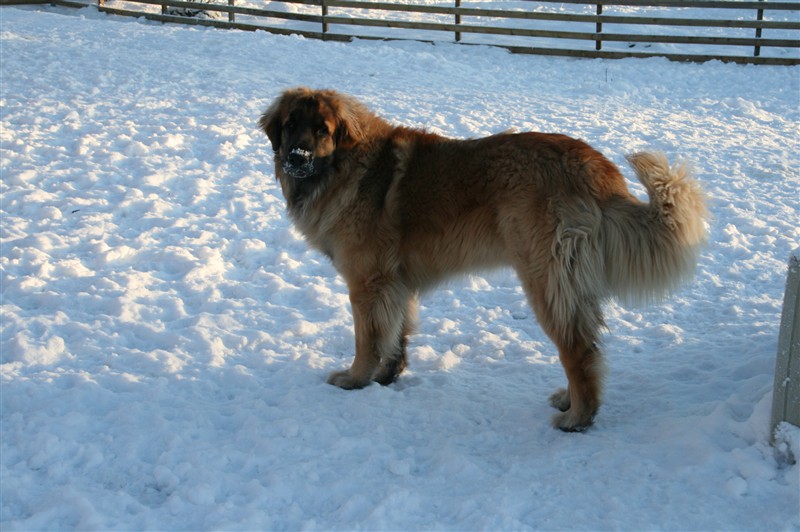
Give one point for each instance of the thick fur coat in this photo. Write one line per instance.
(398, 210)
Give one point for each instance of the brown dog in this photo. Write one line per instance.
(398, 209)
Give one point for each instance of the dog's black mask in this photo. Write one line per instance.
(304, 140)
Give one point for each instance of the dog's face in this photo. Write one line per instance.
(305, 130)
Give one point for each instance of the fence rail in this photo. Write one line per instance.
(759, 32)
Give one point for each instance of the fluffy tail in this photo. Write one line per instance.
(651, 248)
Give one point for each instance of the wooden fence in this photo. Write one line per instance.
(760, 31)
(786, 390)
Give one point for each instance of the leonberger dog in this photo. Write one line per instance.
(398, 209)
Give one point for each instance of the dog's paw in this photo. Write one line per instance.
(570, 421)
(345, 381)
(389, 370)
(560, 399)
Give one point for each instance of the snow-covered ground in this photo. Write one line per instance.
(166, 334)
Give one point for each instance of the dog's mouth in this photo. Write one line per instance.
(299, 164)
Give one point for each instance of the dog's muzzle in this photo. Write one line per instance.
(299, 163)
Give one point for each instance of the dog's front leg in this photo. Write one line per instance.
(379, 308)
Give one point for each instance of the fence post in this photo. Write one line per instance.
(786, 390)
(599, 28)
(759, 17)
(231, 14)
(458, 20)
(324, 6)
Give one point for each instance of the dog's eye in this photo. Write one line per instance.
(323, 131)
(289, 125)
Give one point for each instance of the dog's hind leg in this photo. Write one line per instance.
(579, 402)
(580, 355)
(575, 334)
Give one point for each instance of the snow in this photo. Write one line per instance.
(166, 333)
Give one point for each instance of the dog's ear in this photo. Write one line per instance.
(346, 136)
(270, 123)
(349, 131)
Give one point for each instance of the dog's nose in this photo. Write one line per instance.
(299, 157)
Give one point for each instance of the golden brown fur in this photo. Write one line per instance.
(397, 210)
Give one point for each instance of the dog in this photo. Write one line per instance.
(397, 210)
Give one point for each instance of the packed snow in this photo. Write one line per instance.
(166, 333)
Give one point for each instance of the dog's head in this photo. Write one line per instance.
(307, 128)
